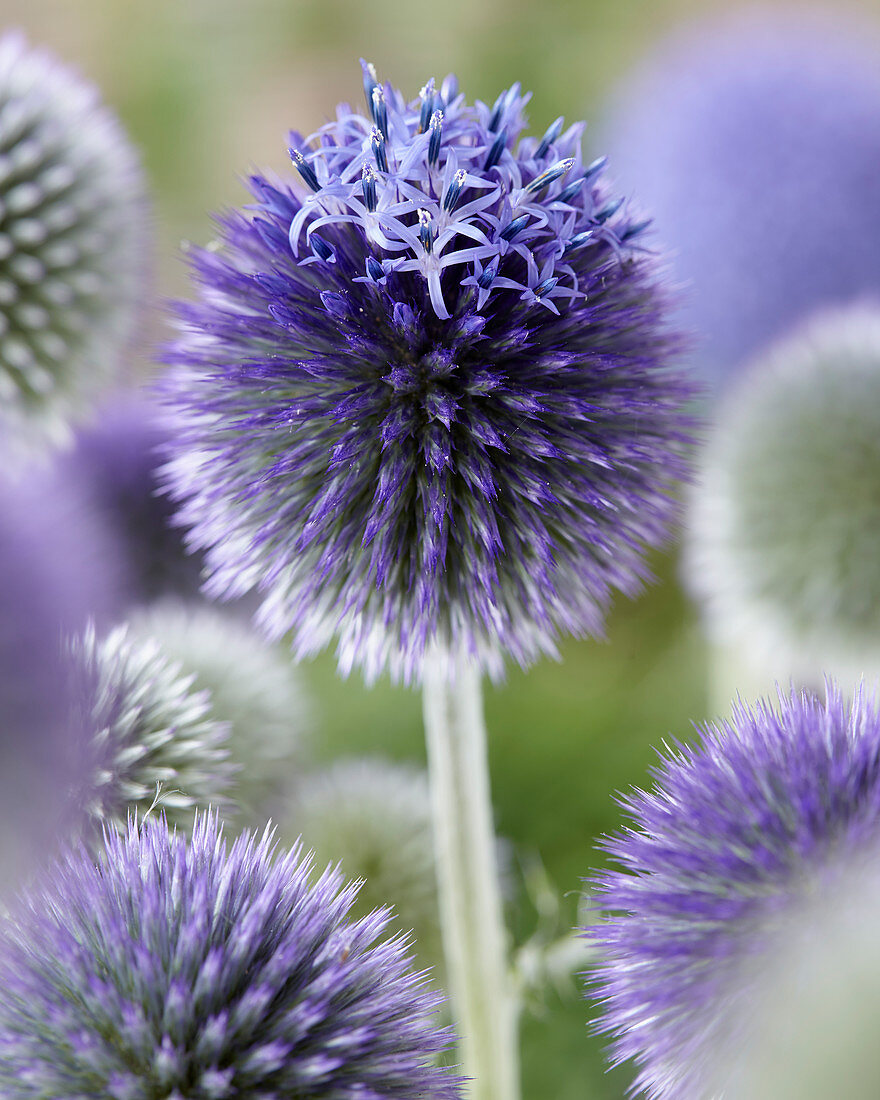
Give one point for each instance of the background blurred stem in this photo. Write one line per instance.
(474, 938)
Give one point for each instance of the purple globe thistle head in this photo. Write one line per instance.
(781, 538)
(753, 137)
(112, 463)
(426, 397)
(734, 834)
(169, 968)
(39, 746)
(74, 234)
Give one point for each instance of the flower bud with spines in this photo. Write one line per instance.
(74, 233)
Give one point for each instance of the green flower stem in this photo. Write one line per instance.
(474, 939)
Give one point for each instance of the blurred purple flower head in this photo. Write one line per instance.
(112, 466)
(39, 745)
(74, 233)
(87, 553)
(723, 848)
(426, 394)
(175, 969)
(753, 138)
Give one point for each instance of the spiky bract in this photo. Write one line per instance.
(171, 970)
(73, 241)
(252, 688)
(374, 816)
(783, 538)
(731, 837)
(426, 395)
(753, 139)
(153, 737)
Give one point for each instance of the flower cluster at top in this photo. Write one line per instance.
(426, 396)
(419, 178)
(727, 846)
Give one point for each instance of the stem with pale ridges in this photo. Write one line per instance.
(474, 938)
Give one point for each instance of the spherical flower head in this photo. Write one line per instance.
(426, 397)
(782, 543)
(174, 969)
(735, 832)
(112, 465)
(252, 689)
(374, 817)
(753, 139)
(153, 737)
(73, 239)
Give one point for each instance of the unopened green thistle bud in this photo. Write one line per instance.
(73, 242)
(253, 689)
(154, 739)
(373, 816)
(785, 524)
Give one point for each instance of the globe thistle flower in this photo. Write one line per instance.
(73, 236)
(154, 740)
(426, 395)
(374, 817)
(111, 467)
(782, 545)
(170, 968)
(724, 848)
(252, 689)
(739, 133)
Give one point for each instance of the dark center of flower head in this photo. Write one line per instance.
(450, 364)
